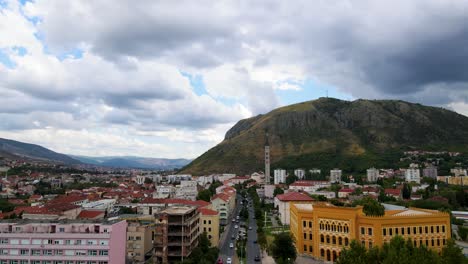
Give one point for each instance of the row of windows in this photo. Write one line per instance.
(50, 262)
(432, 242)
(333, 240)
(209, 229)
(134, 238)
(53, 242)
(415, 230)
(310, 248)
(334, 228)
(60, 229)
(369, 231)
(209, 222)
(307, 223)
(50, 252)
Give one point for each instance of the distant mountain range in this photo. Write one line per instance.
(15, 149)
(133, 162)
(328, 133)
(19, 150)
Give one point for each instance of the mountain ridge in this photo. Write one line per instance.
(361, 131)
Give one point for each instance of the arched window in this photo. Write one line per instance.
(328, 255)
(346, 241)
(322, 253)
(334, 256)
(334, 240)
(340, 241)
(328, 239)
(322, 238)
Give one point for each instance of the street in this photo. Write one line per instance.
(253, 249)
(224, 250)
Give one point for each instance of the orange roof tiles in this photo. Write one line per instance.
(294, 196)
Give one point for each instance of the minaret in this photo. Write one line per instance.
(267, 160)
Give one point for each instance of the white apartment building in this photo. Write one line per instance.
(372, 174)
(280, 176)
(459, 172)
(412, 175)
(178, 178)
(315, 171)
(187, 190)
(299, 173)
(164, 191)
(335, 175)
(224, 177)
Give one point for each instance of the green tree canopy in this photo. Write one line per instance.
(400, 251)
(283, 248)
(277, 191)
(204, 195)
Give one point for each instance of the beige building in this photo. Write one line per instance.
(139, 241)
(209, 223)
(454, 180)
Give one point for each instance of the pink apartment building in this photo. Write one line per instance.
(62, 242)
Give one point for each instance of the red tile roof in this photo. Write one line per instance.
(221, 196)
(346, 190)
(87, 214)
(394, 192)
(294, 196)
(206, 211)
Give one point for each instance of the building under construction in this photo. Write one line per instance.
(176, 233)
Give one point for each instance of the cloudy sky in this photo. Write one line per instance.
(168, 78)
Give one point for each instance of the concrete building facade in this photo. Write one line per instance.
(66, 242)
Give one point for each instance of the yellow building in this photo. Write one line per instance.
(454, 180)
(322, 230)
(209, 223)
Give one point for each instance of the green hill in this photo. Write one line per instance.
(327, 133)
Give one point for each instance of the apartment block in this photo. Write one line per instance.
(209, 220)
(62, 242)
(176, 233)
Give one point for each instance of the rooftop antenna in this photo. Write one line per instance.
(327, 93)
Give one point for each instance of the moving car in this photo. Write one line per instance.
(231, 245)
(220, 261)
(228, 261)
(250, 228)
(257, 258)
(236, 226)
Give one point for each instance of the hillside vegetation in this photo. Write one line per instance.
(327, 133)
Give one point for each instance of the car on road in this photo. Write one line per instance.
(231, 245)
(233, 220)
(257, 258)
(250, 228)
(255, 241)
(236, 226)
(220, 261)
(228, 261)
(233, 236)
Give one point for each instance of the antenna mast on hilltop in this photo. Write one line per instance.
(327, 92)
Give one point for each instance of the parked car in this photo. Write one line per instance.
(257, 258)
(250, 228)
(220, 261)
(231, 245)
(236, 226)
(228, 261)
(255, 241)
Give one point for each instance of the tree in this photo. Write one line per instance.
(277, 191)
(372, 207)
(148, 180)
(291, 179)
(451, 253)
(213, 187)
(283, 248)
(355, 254)
(406, 193)
(204, 195)
(462, 232)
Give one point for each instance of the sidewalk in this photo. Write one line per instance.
(266, 259)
